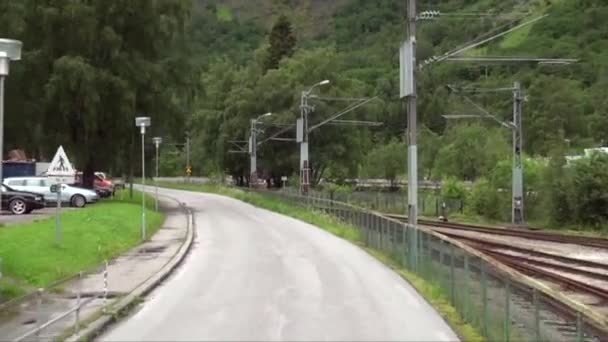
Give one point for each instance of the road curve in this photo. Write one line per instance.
(257, 275)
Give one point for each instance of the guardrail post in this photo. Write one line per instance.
(507, 310)
(536, 314)
(77, 312)
(39, 313)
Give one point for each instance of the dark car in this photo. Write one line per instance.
(20, 202)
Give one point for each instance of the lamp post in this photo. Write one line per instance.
(10, 50)
(302, 137)
(188, 166)
(142, 122)
(157, 141)
(253, 149)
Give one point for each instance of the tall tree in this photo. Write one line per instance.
(282, 43)
(90, 67)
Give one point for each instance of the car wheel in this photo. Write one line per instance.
(18, 206)
(78, 201)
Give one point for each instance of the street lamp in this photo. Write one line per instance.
(302, 136)
(142, 122)
(253, 148)
(10, 50)
(157, 141)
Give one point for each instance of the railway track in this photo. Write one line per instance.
(587, 241)
(576, 275)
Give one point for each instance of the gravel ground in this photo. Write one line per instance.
(562, 249)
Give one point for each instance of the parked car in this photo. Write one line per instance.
(102, 186)
(74, 196)
(20, 202)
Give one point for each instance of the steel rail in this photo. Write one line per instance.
(595, 242)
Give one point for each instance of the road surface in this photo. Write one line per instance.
(257, 275)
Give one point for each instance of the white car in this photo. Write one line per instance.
(76, 197)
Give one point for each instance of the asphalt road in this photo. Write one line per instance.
(257, 275)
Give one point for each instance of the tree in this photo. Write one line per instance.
(387, 161)
(590, 184)
(91, 67)
(282, 43)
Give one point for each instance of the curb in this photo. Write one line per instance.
(96, 327)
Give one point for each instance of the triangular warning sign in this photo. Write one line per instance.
(60, 166)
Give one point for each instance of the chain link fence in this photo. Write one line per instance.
(501, 303)
(431, 203)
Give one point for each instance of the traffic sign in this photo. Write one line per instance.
(189, 171)
(61, 169)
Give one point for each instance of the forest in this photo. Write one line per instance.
(206, 68)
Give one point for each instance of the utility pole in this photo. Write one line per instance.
(253, 165)
(412, 153)
(302, 137)
(253, 149)
(517, 184)
(518, 188)
(304, 163)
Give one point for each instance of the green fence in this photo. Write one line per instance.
(501, 306)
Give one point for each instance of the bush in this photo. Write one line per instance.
(483, 200)
(453, 189)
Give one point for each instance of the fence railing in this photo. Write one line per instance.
(44, 294)
(501, 303)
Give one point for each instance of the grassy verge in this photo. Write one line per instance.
(31, 258)
(431, 292)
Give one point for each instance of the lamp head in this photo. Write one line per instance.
(142, 121)
(11, 49)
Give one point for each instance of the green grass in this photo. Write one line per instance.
(31, 258)
(433, 293)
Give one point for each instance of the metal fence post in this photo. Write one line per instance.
(366, 225)
(404, 248)
(382, 233)
(39, 312)
(379, 233)
(536, 314)
(0, 276)
(507, 310)
(579, 327)
(420, 249)
(452, 276)
(105, 288)
(77, 312)
(484, 296)
(465, 304)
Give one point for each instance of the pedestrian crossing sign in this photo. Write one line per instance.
(60, 168)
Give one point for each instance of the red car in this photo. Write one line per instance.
(103, 186)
